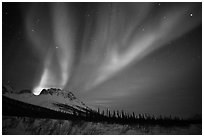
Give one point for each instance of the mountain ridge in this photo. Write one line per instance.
(48, 98)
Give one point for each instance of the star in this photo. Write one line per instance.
(191, 14)
(164, 17)
(88, 15)
(56, 47)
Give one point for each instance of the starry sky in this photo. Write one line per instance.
(141, 57)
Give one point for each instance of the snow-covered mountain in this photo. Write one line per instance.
(53, 98)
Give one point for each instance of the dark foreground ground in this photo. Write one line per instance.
(43, 126)
(21, 118)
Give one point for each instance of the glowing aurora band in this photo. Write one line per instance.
(119, 37)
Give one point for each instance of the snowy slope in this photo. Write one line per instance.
(52, 98)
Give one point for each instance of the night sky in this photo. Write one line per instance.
(141, 57)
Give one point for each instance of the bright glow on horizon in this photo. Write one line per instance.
(36, 91)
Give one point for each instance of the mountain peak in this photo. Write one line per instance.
(58, 92)
(51, 91)
(52, 98)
